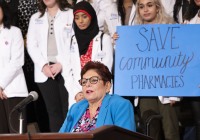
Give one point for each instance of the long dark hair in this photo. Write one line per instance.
(73, 3)
(63, 4)
(177, 7)
(6, 15)
(121, 10)
(193, 9)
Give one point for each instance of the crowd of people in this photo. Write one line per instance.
(71, 45)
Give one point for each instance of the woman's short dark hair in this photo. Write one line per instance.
(101, 69)
(6, 15)
(63, 4)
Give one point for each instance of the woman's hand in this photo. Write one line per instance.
(2, 94)
(115, 36)
(56, 68)
(47, 71)
(172, 102)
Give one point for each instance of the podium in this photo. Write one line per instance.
(101, 133)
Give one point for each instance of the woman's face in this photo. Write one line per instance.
(1, 16)
(96, 90)
(82, 20)
(148, 11)
(197, 2)
(50, 3)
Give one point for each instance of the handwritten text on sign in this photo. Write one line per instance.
(155, 60)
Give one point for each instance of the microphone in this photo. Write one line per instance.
(33, 96)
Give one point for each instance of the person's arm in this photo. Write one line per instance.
(112, 17)
(2, 94)
(115, 36)
(32, 45)
(1, 90)
(46, 69)
(55, 69)
(15, 60)
(73, 75)
(108, 49)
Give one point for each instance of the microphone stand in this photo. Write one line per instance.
(21, 119)
(19, 107)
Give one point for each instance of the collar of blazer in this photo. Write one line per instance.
(194, 20)
(83, 105)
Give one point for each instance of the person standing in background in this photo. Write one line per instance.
(36, 111)
(181, 7)
(88, 43)
(107, 14)
(21, 11)
(49, 30)
(126, 11)
(11, 73)
(193, 17)
(152, 12)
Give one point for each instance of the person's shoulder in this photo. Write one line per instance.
(15, 30)
(117, 102)
(36, 15)
(103, 35)
(67, 11)
(67, 14)
(101, 32)
(117, 99)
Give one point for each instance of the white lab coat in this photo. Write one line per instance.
(37, 40)
(180, 16)
(113, 19)
(105, 56)
(132, 16)
(12, 78)
(37, 43)
(193, 20)
(169, 6)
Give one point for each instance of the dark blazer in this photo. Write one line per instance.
(114, 110)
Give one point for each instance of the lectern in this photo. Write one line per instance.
(102, 133)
